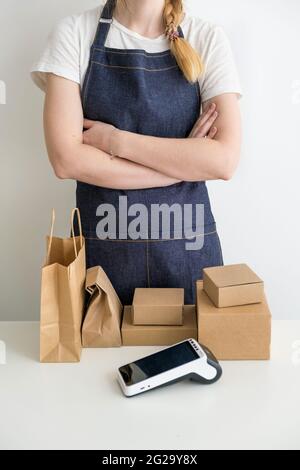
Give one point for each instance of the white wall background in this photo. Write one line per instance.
(257, 212)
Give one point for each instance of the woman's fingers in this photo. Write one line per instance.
(87, 123)
(212, 133)
(206, 115)
(203, 130)
(203, 119)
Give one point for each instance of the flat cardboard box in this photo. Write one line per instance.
(234, 333)
(232, 285)
(155, 335)
(158, 306)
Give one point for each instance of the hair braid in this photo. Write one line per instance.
(187, 58)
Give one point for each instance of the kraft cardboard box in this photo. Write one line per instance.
(234, 333)
(156, 335)
(232, 285)
(158, 306)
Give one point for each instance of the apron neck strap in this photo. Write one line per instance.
(104, 23)
(108, 9)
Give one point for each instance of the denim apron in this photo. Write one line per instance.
(145, 93)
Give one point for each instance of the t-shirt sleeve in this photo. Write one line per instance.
(61, 55)
(220, 74)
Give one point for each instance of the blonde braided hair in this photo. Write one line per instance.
(186, 56)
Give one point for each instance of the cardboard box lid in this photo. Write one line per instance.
(207, 307)
(232, 275)
(189, 321)
(158, 297)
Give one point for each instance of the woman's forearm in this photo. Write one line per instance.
(188, 159)
(92, 166)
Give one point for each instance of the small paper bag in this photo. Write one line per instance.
(102, 323)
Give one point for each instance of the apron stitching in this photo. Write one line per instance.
(131, 53)
(133, 68)
(150, 240)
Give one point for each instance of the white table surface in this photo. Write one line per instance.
(256, 405)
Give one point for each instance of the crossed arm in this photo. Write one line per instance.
(141, 161)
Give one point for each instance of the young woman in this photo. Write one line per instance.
(125, 84)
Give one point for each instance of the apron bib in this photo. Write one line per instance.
(145, 93)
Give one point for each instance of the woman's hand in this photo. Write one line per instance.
(204, 126)
(98, 135)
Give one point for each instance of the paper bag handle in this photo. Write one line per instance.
(76, 210)
(50, 236)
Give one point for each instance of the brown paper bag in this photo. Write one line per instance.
(102, 324)
(62, 297)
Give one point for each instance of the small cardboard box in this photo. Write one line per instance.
(234, 333)
(158, 306)
(156, 335)
(237, 284)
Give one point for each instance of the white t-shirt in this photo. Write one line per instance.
(68, 49)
